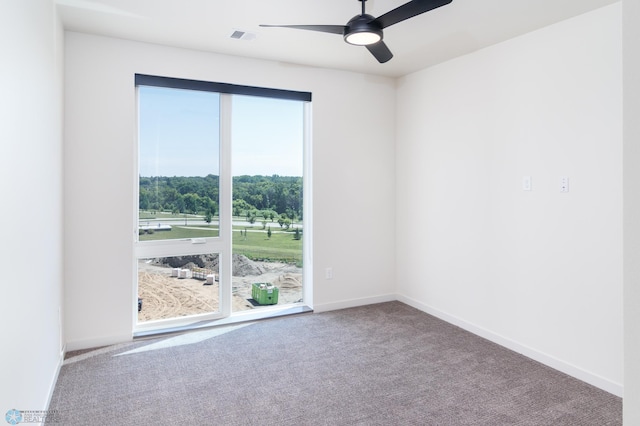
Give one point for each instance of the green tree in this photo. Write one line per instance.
(144, 199)
(191, 202)
(208, 205)
(241, 206)
(180, 204)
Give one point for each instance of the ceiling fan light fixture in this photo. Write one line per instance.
(362, 30)
(363, 38)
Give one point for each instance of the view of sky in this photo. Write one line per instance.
(179, 134)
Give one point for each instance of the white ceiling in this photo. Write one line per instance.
(436, 36)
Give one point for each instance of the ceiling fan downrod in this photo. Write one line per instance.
(362, 1)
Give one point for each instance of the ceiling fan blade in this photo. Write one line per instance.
(380, 51)
(333, 29)
(409, 10)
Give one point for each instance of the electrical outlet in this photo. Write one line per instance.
(564, 184)
(328, 273)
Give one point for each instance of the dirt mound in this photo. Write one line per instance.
(242, 266)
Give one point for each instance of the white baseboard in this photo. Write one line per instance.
(97, 342)
(52, 385)
(352, 303)
(550, 361)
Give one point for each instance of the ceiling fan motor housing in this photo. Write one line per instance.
(362, 30)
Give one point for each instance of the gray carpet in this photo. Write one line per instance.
(385, 364)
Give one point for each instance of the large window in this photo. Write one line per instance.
(221, 223)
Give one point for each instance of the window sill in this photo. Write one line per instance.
(238, 317)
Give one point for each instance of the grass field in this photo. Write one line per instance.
(256, 245)
(280, 247)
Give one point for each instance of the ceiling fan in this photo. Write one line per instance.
(365, 30)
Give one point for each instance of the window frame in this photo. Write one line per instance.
(222, 243)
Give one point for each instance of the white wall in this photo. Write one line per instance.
(538, 271)
(631, 47)
(353, 175)
(31, 213)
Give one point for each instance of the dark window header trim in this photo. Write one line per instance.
(207, 86)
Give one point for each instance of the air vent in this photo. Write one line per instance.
(242, 35)
(237, 34)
